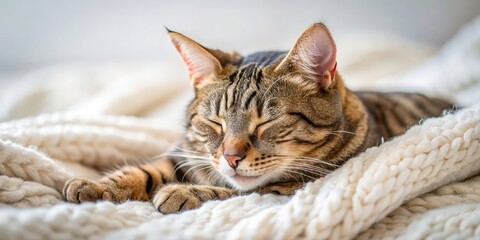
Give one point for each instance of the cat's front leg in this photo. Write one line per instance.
(128, 183)
(180, 197)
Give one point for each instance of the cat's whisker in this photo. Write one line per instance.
(336, 134)
(186, 150)
(194, 171)
(302, 180)
(189, 163)
(179, 166)
(182, 154)
(294, 163)
(307, 173)
(290, 175)
(216, 176)
(196, 159)
(209, 175)
(311, 162)
(308, 158)
(269, 87)
(299, 173)
(185, 163)
(173, 154)
(297, 162)
(204, 168)
(189, 154)
(344, 132)
(310, 170)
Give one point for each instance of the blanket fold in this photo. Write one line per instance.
(346, 203)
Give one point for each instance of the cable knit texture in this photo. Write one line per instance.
(423, 184)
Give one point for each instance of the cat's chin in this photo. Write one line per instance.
(242, 179)
(246, 183)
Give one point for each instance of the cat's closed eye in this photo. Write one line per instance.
(261, 127)
(206, 128)
(215, 123)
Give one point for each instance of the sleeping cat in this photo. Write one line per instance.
(267, 122)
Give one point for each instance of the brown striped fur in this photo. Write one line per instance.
(267, 122)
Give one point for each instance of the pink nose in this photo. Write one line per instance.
(233, 159)
(234, 150)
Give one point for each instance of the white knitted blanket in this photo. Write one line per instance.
(423, 184)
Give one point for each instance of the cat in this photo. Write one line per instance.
(268, 122)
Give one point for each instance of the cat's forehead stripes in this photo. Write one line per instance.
(249, 72)
(243, 87)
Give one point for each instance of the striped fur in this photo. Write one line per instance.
(259, 124)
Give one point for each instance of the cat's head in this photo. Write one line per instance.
(267, 117)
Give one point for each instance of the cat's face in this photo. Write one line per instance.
(265, 123)
(258, 131)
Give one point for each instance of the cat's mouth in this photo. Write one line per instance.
(241, 178)
(247, 183)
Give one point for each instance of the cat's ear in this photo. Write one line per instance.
(313, 55)
(201, 64)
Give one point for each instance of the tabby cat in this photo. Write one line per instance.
(267, 122)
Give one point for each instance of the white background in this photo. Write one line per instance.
(39, 33)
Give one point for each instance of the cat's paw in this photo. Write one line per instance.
(176, 198)
(80, 190)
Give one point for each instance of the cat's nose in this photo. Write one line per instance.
(234, 150)
(233, 159)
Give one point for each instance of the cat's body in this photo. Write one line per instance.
(267, 122)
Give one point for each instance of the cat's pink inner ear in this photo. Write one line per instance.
(200, 63)
(314, 54)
